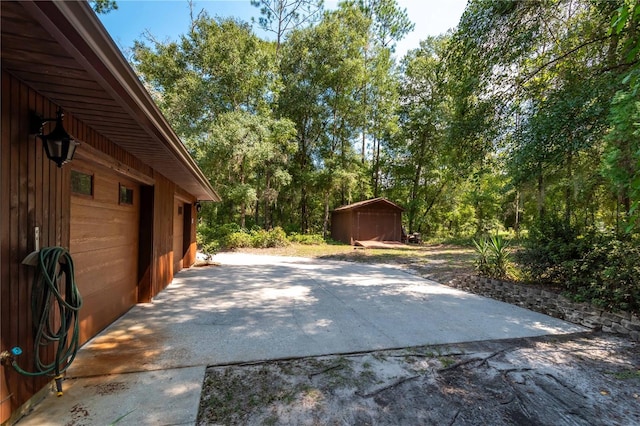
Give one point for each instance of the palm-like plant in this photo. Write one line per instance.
(494, 258)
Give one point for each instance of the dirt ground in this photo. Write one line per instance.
(581, 379)
(585, 379)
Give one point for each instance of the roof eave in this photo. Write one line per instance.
(86, 37)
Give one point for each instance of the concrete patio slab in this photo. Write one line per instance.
(161, 397)
(265, 307)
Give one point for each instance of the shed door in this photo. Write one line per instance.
(178, 235)
(379, 226)
(104, 245)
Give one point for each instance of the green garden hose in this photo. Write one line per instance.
(52, 303)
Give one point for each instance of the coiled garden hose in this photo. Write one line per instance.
(52, 303)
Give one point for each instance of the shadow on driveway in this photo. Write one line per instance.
(254, 308)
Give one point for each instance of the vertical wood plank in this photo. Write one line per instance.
(18, 288)
(6, 326)
(22, 138)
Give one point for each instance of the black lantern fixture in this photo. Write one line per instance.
(58, 145)
(198, 206)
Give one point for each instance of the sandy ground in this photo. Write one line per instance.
(583, 379)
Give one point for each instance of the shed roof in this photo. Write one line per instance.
(62, 50)
(368, 202)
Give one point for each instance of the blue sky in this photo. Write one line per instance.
(167, 19)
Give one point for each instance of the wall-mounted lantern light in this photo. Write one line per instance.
(58, 145)
(198, 206)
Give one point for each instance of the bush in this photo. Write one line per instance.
(307, 239)
(494, 259)
(608, 275)
(237, 240)
(259, 238)
(277, 238)
(595, 267)
(551, 249)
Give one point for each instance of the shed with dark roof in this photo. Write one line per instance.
(377, 219)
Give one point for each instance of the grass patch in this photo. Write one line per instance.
(439, 262)
(626, 374)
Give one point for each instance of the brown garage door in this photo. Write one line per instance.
(104, 244)
(382, 226)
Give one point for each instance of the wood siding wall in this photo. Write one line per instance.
(34, 192)
(341, 226)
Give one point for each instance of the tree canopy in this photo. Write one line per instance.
(526, 111)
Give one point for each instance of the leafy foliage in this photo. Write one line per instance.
(104, 6)
(525, 117)
(493, 256)
(307, 239)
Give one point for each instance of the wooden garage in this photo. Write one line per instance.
(377, 219)
(124, 207)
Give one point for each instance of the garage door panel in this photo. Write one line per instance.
(100, 310)
(104, 246)
(93, 277)
(89, 238)
(91, 244)
(103, 302)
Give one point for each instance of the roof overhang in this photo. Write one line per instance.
(379, 200)
(62, 50)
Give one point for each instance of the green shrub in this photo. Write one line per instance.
(500, 258)
(608, 275)
(550, 251)
(259, 238)
(237, 240)
(276, 237)
(494, 258)
(592, 266)
(307, 239)
(483, 253)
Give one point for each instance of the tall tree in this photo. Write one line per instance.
(282, 16)
(322, 71)
(218, 66)
(526, 61)
(245, 156)
(419, 159)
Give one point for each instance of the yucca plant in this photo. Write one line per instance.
(494, 258)
(500, 258)
(483, 250)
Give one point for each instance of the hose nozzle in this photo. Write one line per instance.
(58, 380)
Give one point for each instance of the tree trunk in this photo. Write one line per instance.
(267, 201)
(376, 169)
(568, 190)
(325, 225)
(541, 209)
(414, 196)
(516, 222)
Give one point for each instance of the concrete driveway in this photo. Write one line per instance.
(147, 368)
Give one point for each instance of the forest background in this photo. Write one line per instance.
(523, 120)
